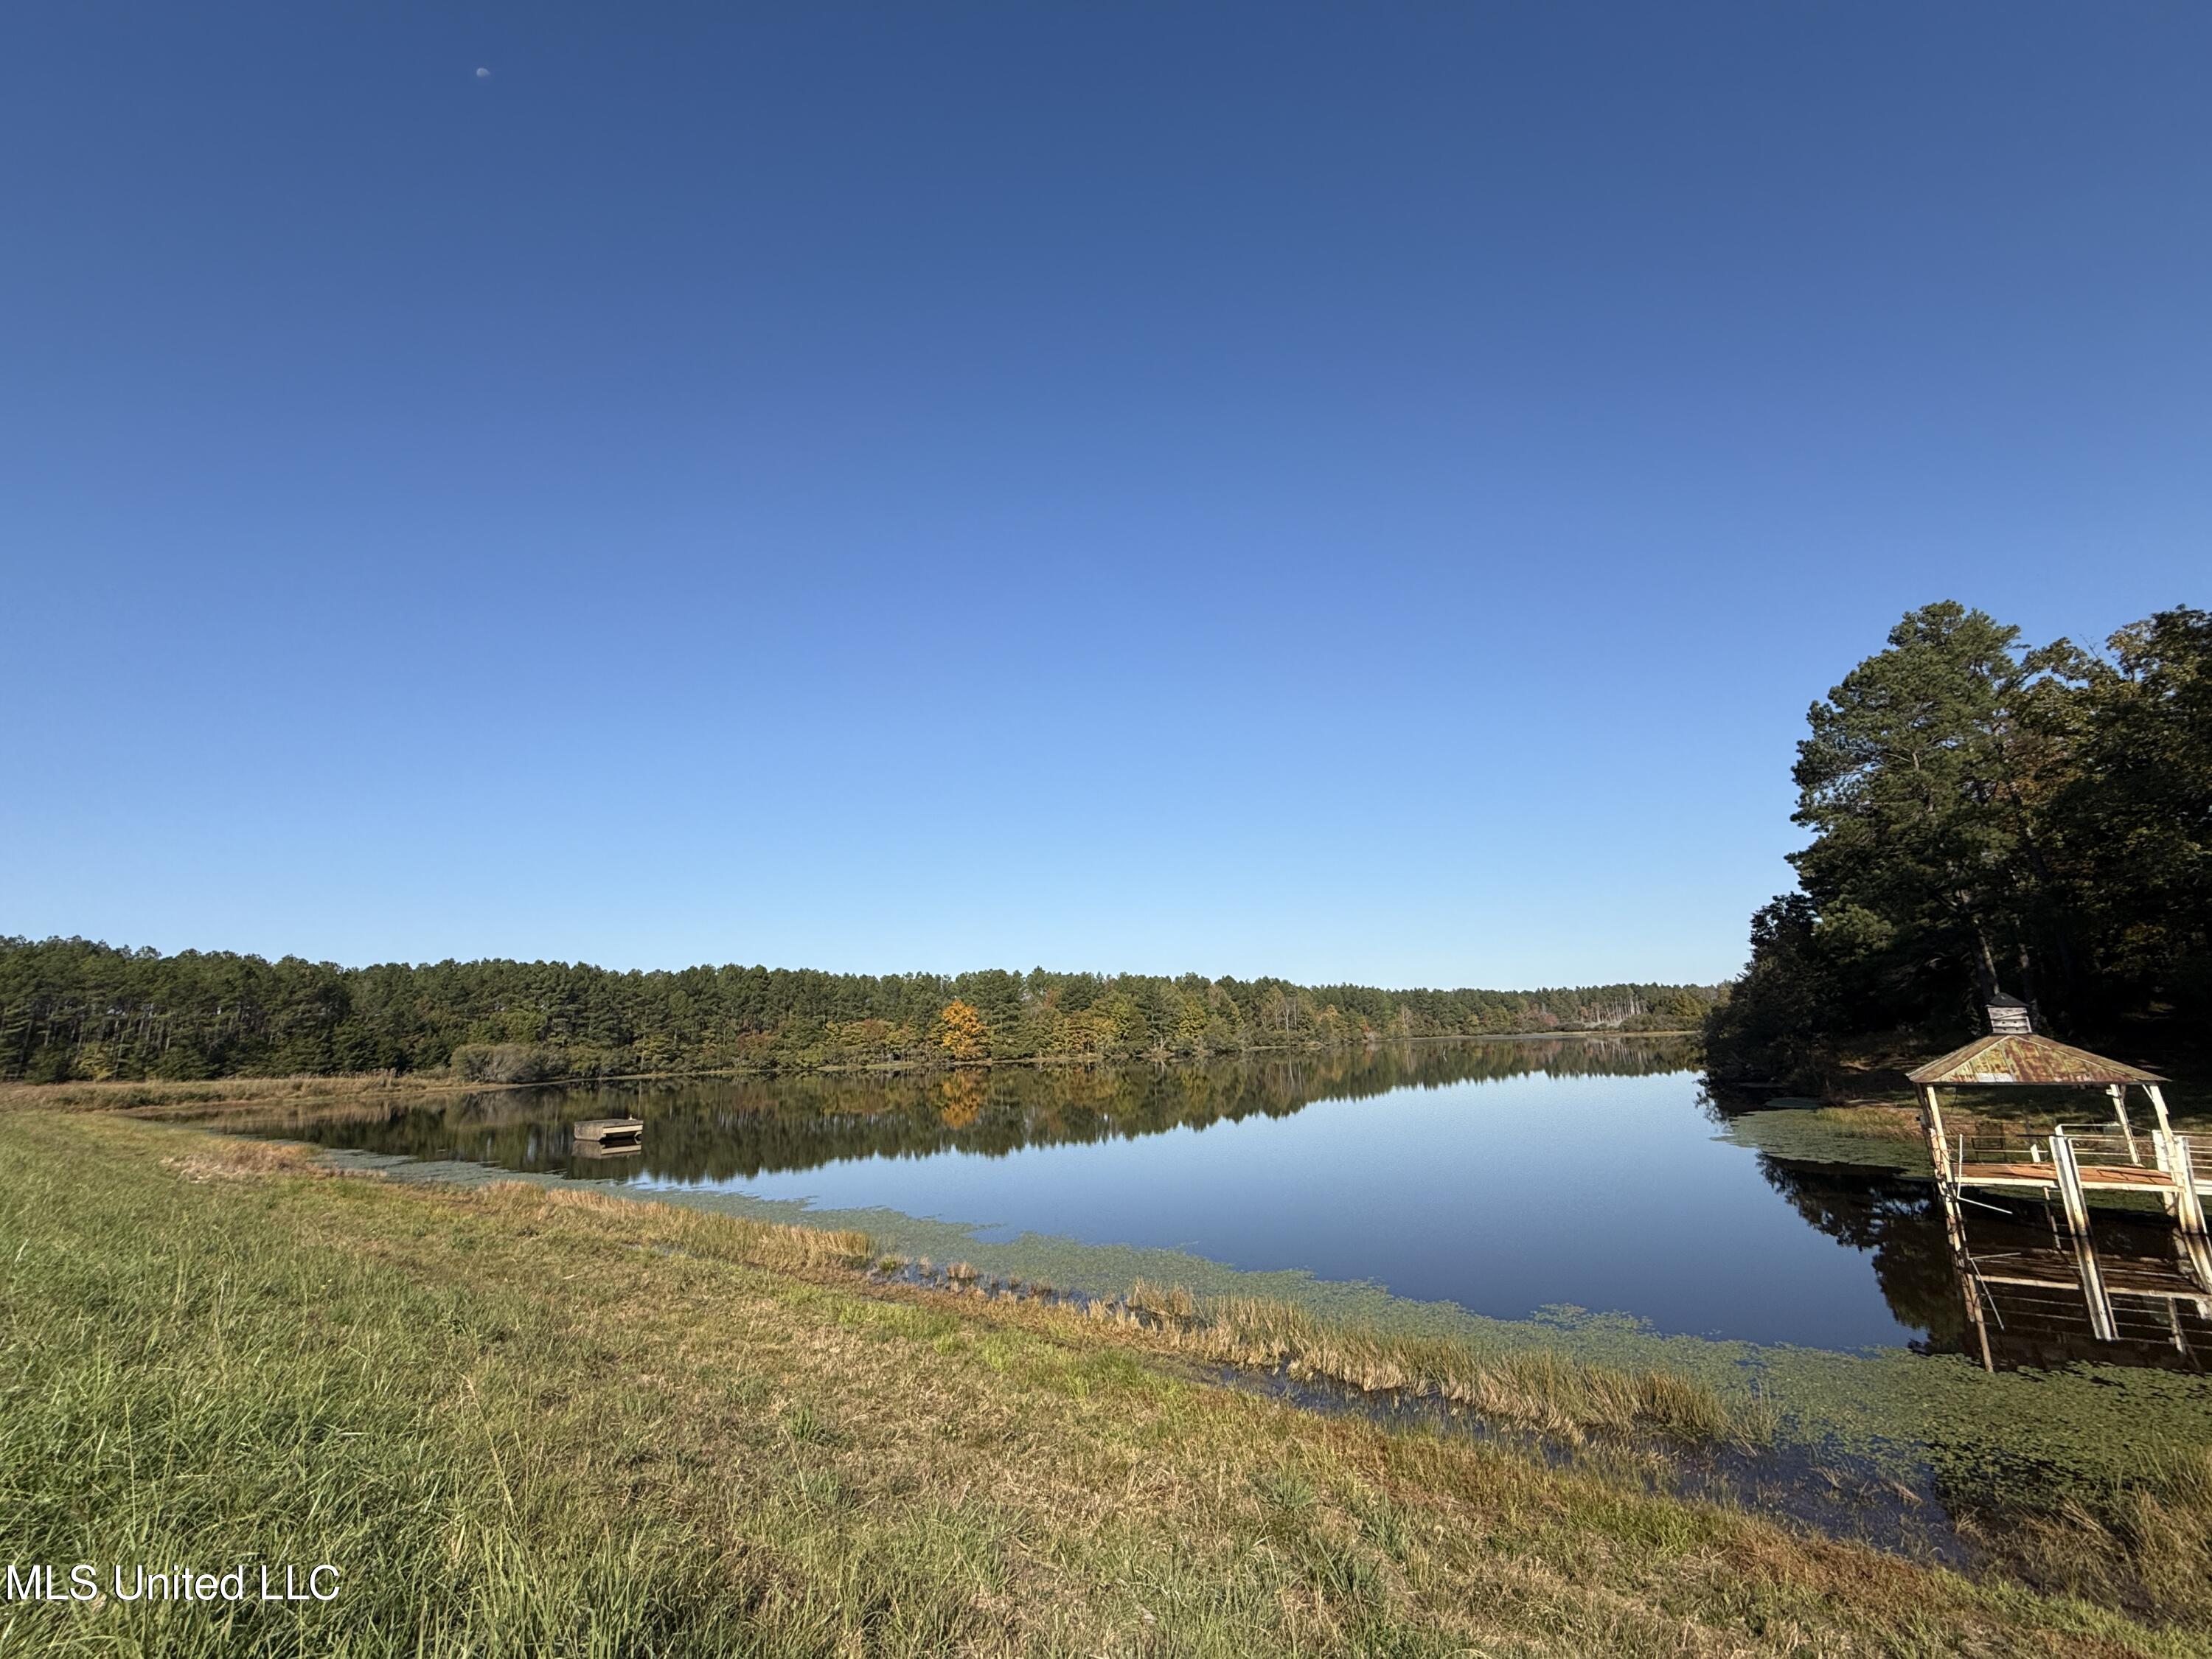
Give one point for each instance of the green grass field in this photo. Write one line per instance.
(523, 1423)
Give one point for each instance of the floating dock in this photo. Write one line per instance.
(604, 1136)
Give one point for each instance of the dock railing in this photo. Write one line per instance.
(2096, 1147)
(2093, 1148)
(2074, 1160)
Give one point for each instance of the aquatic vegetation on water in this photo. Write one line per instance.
(1874, 1137)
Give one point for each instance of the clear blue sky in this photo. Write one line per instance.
(1361, 491)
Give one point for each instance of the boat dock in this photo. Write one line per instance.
(2078, 1166)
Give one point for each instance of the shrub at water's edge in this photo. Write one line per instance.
(508, 1063)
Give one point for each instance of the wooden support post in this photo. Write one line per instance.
(2163, 1134)
(1970, 1292)
(2102, 1325)
(2189, 1206)
(1954, 1224)
(1931, 1124)
(2069, 1184)
(2196, 1253)
(2085, 1267)
(2120, 1094)
(2183, 1203)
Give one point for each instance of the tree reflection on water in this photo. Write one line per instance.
(724, 1129)
(1895, 1220)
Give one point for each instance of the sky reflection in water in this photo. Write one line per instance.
(1505, 1176)
(1610, 1193)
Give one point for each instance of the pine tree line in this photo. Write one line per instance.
(74, 1009)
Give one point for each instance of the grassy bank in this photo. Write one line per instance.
(2002, 1445)
(526, 1424)
(227, 1093)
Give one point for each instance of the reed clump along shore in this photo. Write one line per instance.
(1539, 1392)
(2146, 1544)
(523, 1421)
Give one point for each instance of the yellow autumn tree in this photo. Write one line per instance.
(961, 1031)
(962, 1093)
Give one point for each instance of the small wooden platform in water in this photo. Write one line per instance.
(607, 1129)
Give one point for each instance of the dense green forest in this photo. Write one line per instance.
(72, 1008)
(1990, 815)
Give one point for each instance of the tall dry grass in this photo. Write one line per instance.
(2146, 1546)
(675, 1229)
(123, 1095)
(1538, 1390)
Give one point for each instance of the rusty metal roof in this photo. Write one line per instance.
(2000, 1060)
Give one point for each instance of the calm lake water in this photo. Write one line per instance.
(1506, 1176)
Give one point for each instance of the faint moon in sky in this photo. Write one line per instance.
(483, 74)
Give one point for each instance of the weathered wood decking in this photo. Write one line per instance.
(2045, 1175)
